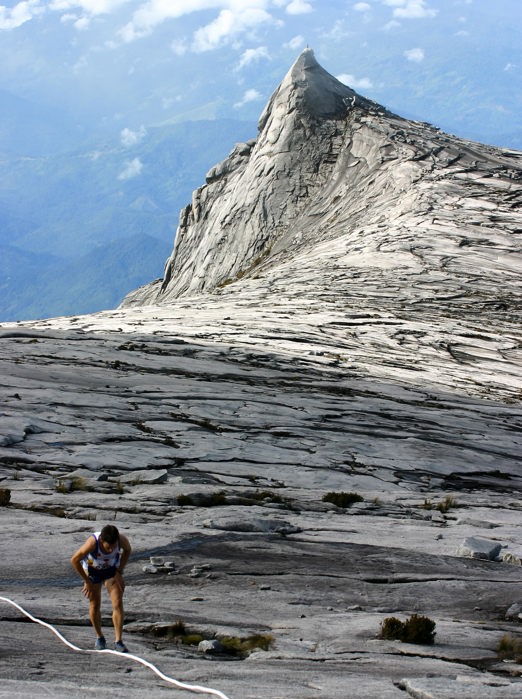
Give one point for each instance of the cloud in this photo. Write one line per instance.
(253, 56)
(233, 14)
(352, 81)
(131, 138)
(415, 55)
(362, 7)
(227, 26)
(249, 96)
(299, 7)
(22, 12)
(132, 169)
(411, 9)
(179, 47)
(392, 24)
(295, 43)
(91, 7)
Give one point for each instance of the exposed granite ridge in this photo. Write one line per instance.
(328, 164)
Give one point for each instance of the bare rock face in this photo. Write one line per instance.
(298, 455)
(329, 165)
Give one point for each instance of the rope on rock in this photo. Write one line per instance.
(129, 656)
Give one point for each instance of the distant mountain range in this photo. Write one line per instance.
(70, 220)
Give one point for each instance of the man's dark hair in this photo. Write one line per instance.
(109, 534)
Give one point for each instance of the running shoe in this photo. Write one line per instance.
(100, 644)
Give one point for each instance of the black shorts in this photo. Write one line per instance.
(99, 575)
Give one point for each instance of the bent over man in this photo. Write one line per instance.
(102, 559)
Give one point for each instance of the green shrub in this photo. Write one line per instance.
(510, 648)
(5, 497)
(185, 500)
(416, 629)
(342, 499)
(391, 628)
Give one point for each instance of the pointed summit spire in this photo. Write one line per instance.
(309, 88)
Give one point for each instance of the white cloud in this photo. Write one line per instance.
(353, 82)
(392, 24)
(295, 43)
(411, 9)
(91, 7)
(510, 66)
(249, 96)
(131, 138)
(179, 47)
(415, 55)
(132, 169)
(152, 13)
(22, 12)
(227, 26)
(299, 7)
(253, 55)
(362, 7)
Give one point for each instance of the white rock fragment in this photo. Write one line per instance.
(514, 611)
(149, 568)
(210, 646)
(474, 547)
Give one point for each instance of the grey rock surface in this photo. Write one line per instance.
(373, 349)
(475, 547)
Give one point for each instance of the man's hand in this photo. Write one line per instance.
(88, 589)
(119, 581)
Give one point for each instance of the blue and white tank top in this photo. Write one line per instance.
(98, 559)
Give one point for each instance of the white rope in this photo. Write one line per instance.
(129, 656)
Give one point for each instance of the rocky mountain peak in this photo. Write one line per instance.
(329, 165)
(311, 90)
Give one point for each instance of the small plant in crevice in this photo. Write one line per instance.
(200, 500)
(342, 499)
(416, 629)
(70, 485)
(443, 506)
(510, 648)
(446, 504)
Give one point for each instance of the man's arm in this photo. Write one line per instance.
(76, 562)
(125, 552)
(80, 554)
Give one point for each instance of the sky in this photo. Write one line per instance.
(122, 66)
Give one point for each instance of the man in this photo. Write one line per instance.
(102, 559)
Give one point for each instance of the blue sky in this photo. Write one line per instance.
(121, 66)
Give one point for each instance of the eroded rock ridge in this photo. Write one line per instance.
(329, 165)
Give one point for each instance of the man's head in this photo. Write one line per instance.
(110, 534)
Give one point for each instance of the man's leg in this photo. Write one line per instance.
(116, 594)
(95, 610)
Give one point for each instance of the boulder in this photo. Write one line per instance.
(475, 547)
